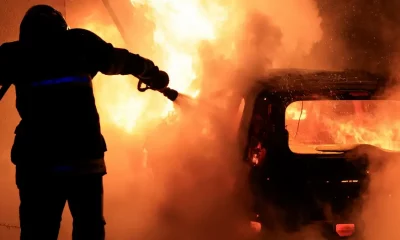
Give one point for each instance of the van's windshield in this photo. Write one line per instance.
(313, 124)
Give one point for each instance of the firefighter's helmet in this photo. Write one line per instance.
(41, 22)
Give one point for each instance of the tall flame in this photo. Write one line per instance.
(181, 26)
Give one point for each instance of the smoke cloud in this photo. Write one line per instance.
(361, 35)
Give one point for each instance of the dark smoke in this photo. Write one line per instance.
(359, 34)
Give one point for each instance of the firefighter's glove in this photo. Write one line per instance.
(153, 77)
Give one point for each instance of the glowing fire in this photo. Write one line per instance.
(180, 27)
(296, 112)
(353, 125)
(234, 31)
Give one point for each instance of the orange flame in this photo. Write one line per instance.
(181, 28)
(354, 125)
(296, 112)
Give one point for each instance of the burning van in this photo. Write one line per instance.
(312, 140)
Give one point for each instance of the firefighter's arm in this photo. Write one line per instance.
(121, 61)
(118, 61)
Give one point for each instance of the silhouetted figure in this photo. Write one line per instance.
(59, 149)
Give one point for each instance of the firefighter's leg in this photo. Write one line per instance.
(85, 201)
(42, 203)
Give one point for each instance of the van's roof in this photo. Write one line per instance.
(288, 80)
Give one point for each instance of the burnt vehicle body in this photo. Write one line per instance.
(322, 185)
(292, 189)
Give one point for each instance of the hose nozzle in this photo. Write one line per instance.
(170, 93)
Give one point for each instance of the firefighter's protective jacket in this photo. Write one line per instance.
(60, 127)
